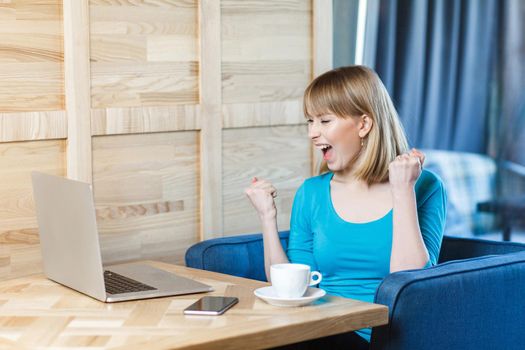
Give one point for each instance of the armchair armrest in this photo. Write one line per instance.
(470, 304)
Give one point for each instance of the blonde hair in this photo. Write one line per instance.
(351, 92)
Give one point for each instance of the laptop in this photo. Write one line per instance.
(71, 253)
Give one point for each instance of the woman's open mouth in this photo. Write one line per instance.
(327, 152)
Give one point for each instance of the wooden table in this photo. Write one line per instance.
(35, 312)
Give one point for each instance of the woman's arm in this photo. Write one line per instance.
(408, 248)
(273, 250)
(261, 194)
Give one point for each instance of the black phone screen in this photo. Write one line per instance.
(211, 306)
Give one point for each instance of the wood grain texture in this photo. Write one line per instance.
(322, 54)
(113, 121)
(77, 83)
(266, 50)
(31, 56)
(267, 58)
(171, 95)
(19, 242)
(279, 154)
(23, 126)
(144, 53)
(35, 312)
(242, 115)
(146, 195)
(211, 222)
(322, 36)
(147, 84)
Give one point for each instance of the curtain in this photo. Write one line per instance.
(437, 61)
(510, 117)
(456, 72)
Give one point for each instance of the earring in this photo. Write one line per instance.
(362, 142)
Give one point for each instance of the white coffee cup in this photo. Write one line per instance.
(292, 280)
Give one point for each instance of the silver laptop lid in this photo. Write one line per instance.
(68, 233)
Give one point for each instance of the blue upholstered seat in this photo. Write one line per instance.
(473, 299)
(238, 255)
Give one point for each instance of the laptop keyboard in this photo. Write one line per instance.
(117, 284)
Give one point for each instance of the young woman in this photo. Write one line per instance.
(375, 211)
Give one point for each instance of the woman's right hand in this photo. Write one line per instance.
(261, 194)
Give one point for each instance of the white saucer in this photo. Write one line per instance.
(268, 294)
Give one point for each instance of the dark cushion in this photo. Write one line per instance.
(455, 248)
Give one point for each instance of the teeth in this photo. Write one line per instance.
(323, 147)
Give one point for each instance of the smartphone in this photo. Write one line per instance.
(211, 306)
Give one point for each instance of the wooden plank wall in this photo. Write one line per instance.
(168, 107)
(33, 127)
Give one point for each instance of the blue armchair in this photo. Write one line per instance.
(473, 299)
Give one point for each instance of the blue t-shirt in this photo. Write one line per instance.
(355, 257)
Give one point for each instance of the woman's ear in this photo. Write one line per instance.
(365, 125)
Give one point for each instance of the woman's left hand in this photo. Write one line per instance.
(405, 169)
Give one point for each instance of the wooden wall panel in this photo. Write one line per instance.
(242, 115)
(266, 50)
(19, 242)
(78, 91)
(278, 154)
(24, 126)
(132, 120)
(267, 61)
(31, 56)
(211, 133)
(172, 106)
(322, 53)
(143, 53)
(146, 194)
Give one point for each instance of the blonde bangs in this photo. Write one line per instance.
(327, 95)
(352, 92)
